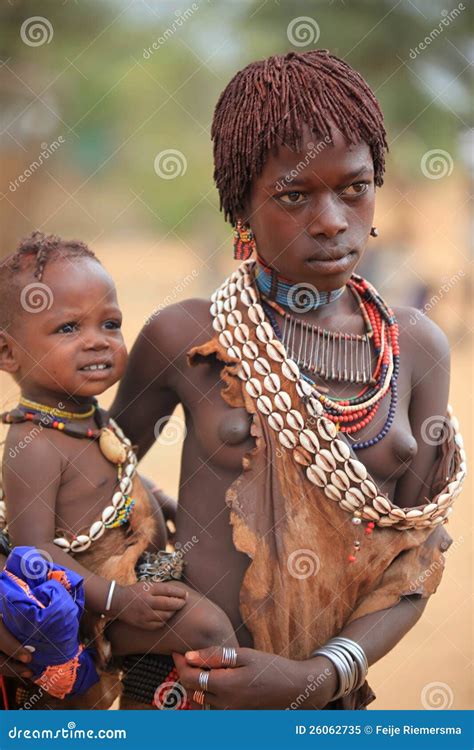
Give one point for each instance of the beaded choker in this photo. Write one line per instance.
(55, 411)
(58, 419)
(296, 297)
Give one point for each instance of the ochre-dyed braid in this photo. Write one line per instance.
(272, 100)
(45, 247)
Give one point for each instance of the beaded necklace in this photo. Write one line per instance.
(115, 447)
(352, 414)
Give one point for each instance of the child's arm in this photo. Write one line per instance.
(31, 481)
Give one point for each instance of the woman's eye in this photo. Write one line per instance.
(113, 325)
(67, 328)
(292, 198)
(357, 188)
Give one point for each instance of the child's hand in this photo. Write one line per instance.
(149, 605)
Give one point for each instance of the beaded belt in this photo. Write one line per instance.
(152, 678)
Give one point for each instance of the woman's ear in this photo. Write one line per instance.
(8, 360)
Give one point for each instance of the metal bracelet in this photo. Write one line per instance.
(342, 669)
(355, 648)
(108, 603)
(357, 653)
(350, 663)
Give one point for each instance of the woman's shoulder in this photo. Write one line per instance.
(179, 326)
(418, 328)
(423, 340)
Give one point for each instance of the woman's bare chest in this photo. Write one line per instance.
(221, 435)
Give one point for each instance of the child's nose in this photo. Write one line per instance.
(96, 342)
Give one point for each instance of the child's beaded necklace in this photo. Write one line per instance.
(114, 446)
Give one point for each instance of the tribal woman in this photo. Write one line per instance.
(321, 457)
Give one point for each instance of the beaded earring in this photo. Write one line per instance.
(374, 232)
(244, 242)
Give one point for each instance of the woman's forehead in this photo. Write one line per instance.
(328, 157)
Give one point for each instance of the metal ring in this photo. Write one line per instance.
(198, 697)
(203, 679)
(229, 656)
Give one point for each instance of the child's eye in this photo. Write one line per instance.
(67, 328)
(292, 198)
(113, 325)
(359, 188)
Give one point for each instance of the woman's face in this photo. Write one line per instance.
(311, 211)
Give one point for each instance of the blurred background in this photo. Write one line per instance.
(105, 115)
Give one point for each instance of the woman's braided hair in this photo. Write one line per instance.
(270, 101)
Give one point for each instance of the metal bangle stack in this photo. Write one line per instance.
(350, 663)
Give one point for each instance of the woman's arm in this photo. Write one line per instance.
(146, 395)
(266, 681)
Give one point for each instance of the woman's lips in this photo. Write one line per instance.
(333, 265)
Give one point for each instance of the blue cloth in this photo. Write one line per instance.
(53, 629)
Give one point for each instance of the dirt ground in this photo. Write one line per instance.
(433, 663)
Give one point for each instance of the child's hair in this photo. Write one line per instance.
(272, 100)
(32, 254)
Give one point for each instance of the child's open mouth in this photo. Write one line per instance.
(96, 367)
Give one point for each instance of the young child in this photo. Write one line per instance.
(69, 473)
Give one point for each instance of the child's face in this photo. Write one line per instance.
(76, 346)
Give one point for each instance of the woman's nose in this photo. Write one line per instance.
(328, 219)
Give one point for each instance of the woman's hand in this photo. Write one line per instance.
(258, 681)
(14, 657)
